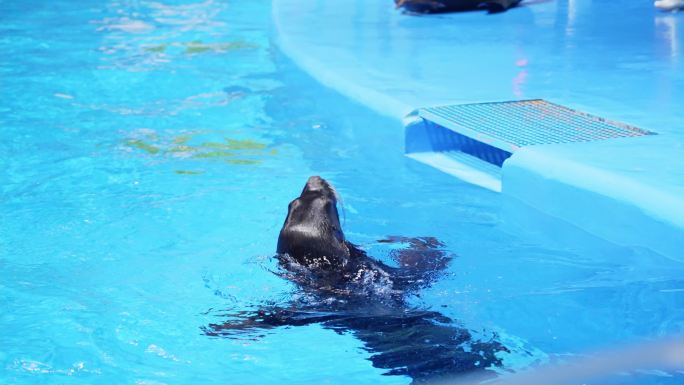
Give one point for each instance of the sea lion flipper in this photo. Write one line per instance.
(420, 253)
(420, 260)
(251, 324)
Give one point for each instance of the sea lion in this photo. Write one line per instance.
(442, 6)
(312, 238)
(312, 234)
(669, 5)
(345, 290)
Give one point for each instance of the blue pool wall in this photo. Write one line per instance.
(606, 188)
(426, 136)
(580, 54)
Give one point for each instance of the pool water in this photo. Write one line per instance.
(148, 152)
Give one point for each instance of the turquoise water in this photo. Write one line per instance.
(148, 152)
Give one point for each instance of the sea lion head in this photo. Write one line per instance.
(311, 234)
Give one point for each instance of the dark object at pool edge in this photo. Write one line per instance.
(443, 6)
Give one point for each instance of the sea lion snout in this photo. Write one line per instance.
(312, 232)
(316, 184)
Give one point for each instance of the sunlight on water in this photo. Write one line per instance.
(149, 151)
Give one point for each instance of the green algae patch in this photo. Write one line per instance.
(194, 48)
(159, 48)
(197, 47)
(182, 139)
(214, 154)
(243, 162)
(215, 145)
(236, 145)
(247, 144)
(141, 145)
(188, 172)
(182, 149)
(188, 148)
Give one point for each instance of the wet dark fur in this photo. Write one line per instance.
(312, 234)
(347, 291)
(443, 6)
(312, 237)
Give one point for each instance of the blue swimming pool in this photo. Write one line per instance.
(148, 152)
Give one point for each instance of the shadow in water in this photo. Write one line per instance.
(403, 340)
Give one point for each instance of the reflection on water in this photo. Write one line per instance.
(402, 339)
(147, 35)
(128, 211)
(668, 25)
(658, 358)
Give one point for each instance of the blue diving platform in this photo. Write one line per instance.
(467, 140)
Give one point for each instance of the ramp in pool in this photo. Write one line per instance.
(471, 141)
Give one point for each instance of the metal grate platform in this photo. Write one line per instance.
(511, 125)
